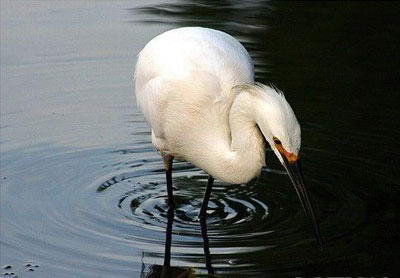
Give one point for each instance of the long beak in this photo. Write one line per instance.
(293, 168)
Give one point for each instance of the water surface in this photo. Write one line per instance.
(83, 191)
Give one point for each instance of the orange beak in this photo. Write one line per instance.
(290, 157)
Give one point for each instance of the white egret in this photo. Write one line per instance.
(196, 89)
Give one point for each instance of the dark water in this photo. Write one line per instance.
(83, 191)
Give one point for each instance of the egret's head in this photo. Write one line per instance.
(281, 130)
(276, 120)
(278, 124)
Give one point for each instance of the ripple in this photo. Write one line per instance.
(116, 205)
(239, 216)
(148, 205)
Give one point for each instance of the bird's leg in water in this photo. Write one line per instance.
(204, 205)
(206, 246)
(168, 159)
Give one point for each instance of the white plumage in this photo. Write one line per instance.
(195, 87)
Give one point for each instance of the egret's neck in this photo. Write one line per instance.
(247, 142)
(233, 150)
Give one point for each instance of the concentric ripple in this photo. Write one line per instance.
(264, 214)
(228, 207)
(116, 212)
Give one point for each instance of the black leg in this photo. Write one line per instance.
(168, 237)
(204, 205)
(168, 159)
(206, 246)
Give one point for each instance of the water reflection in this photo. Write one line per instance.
(168, 237)
(206, 246)
(166, 271)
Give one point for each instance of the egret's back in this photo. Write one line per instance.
(183, 86)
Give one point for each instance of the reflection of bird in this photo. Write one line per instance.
(196, 89)
(166, 271)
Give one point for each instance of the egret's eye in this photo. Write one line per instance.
(277, 141)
